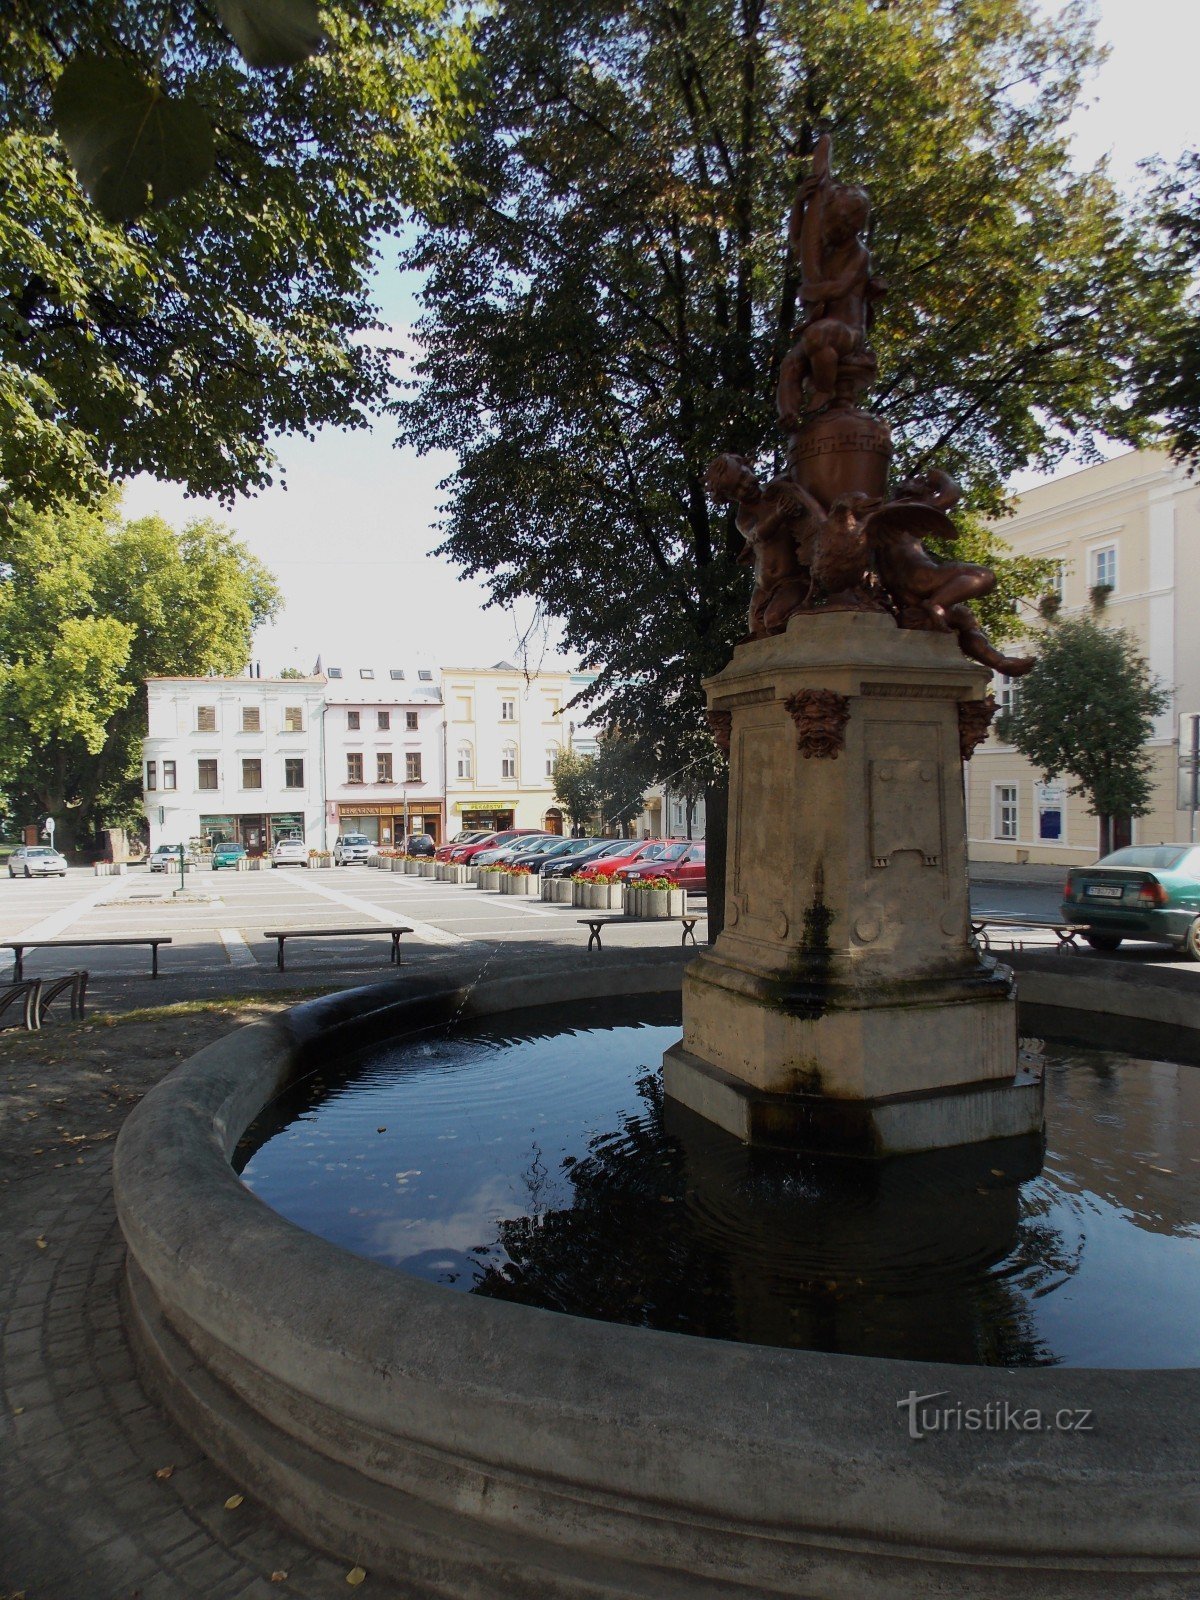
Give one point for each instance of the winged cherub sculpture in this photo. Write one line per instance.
(774, 520)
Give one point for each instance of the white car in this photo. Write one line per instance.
(165, 858)
(290, 853)
(349, 847)
(37, 861)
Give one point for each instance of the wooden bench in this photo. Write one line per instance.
(281, 934)
(1067, 934)
(26, 992)
(595, 924)
(19, 947)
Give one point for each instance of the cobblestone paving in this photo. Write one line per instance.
(101, 1498)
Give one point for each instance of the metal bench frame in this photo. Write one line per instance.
(19, 947)
(596, 924)
(283, 934)
(1069, 936)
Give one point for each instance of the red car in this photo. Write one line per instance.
(491, 841)
(466, 836)
(641, 850)
(682, 863)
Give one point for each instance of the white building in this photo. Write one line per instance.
(234, 758)
(384, 752)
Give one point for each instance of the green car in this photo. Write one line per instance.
(227, 855)
(1145, 891)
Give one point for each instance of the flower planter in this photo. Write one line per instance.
(110, 869)
(425, 869)
(453, 873)
(488, 879)
(256, 863)
(605, 897)
(320, 861)
(640, 902)
(581, 895)
(557, 891)
(409, 868)
(523, 884)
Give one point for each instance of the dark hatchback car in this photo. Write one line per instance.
(1145, 891)
(419, 844)
(569, 862)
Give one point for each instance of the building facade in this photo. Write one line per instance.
(503, 732)
(384, 752)
(233, 759)
(1130, 528)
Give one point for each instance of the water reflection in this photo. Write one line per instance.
(533, 1159)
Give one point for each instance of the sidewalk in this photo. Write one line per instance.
(1029, 875)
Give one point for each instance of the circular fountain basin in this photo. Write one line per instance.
(473, 1446)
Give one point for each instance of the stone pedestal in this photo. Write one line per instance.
(844, 1005)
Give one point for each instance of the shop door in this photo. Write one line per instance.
(253, 834)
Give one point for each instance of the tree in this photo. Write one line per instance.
(181, 344)
(90, 607)
(1087, 710)
(608, 298)
(574, 779)
(621, 778)
(1168, 374)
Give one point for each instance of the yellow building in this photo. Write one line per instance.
(1132, 523)
(503, 732)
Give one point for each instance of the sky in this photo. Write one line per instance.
(350, 528)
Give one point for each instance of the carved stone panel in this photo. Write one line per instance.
(974, 720)
(720, 724)
(906, 810)
(820, 716)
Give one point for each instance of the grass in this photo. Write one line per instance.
(224, 1006)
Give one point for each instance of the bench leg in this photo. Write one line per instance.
(18, 963)
(689, 932)
(279, 956)
(594, 936)
(395, 957)
(154, 960)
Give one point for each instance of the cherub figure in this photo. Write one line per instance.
(775, 522)
(927, 593)
(830, 357)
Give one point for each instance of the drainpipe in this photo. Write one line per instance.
(324, 803)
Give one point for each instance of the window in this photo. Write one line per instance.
(334, 672)
(396, 674)
(508, 711)
(383, 766)
(152, 774)
(206, 719)
(425, 675)
(551, 758)
(463, 712)
(1006, 810)
(354, 769)
(410, 721)
(293, 772)
(252, 773)
(251, 719)
(353, 720)
(169, 775)
(1057, 579)
(1104, 567)
(293, 719)
(508, 761)
(412, 766)
(1009, 695)
(384, 720)
(366, 672)
(463, 767)
(206, 774)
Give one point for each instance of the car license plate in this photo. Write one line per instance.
(1105, 891)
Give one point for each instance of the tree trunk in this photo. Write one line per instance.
(1106, 833)
(716, 831)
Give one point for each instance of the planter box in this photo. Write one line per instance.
(557, 891)
(256, 863)
(655, 902)
(109, 869)
(581, 895)
(521, 883)
(486, 879)
(605, 897)
(314, 862)
(456, 874)
(425, 869)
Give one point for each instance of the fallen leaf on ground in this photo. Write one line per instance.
(40, 1242)
(164, 1472)
(355, 1576)
(234, 1502)
(279, 1577)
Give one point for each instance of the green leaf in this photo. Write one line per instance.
(132, 147)
(273, 33)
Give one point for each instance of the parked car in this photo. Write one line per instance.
(37, 861)
(348, 847)
(505, 854)
(463, 836)
(571, 862)
(227, 855)
(640, 850)
(681, 863)
(1143, 891)
(165, 858)
(420, 844)
(467, 852)
(290, 853)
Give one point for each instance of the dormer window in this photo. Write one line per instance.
(366, 672)
(397, 674)
(334, 672)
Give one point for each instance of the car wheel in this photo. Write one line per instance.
(1103, 941)
(1191, 945)
(274, 864)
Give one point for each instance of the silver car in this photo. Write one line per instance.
(37, 861)
(349, 847)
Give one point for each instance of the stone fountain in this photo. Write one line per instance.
(845, 1005)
